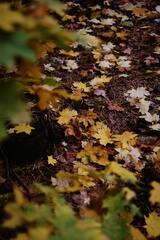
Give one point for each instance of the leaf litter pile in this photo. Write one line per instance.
(104, 155)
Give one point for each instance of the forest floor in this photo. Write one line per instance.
(117, 86)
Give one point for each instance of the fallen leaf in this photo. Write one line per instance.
(81, 86)
(21, 128)
(51, 160)
(113, 106)
(153, 224)
(66, 115)
(125, 139)
(155, 193)
(118, 169)
(102, 132)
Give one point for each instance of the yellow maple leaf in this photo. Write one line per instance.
(125, 139)
(118, 169)
(51, 160)
(155, 192)
(140, 11)
(21, 128)
(8, 17)
(102, 132)
(66, 115)
(70, 53)
(95, 154)
(153, 224)
(77, 95)
(130, 194)
(100, 81)
(97, 54)
(68, 18)
(122, 35)
(88, 118)
(81, 86)
(136, 234)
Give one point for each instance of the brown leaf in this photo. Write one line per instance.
(113, 106)
(29, 69)
(42, 48)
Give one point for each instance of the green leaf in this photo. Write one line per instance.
(14, 45)
(114, 222)
(115, 227)
(10, 102)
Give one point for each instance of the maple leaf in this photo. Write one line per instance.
(71, 65)
(88, 118)
(81, 86)
(125, 174)
(90, 41)
(155, 193)
(42, 48)
(102, 132)
(95, 154)
(107, 21)
(136, 234)
(77, 95)
(140, 12)
(29, 69)
(97, 54)
(100, 81)
(21, 128)
(70, 53)
(123, 62)
(9, 17)
(108, 47)
(153, 224)
(122, 35)
(66, 115)
(125, 139)
(51, 160)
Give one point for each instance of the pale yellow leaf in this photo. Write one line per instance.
(118, 169)
(136, 234)
(100, 81)
(21, 128)
(8, 17)
(81, 86)
(70, 53)
(102, 132)
(66, 115)
(51, 160)
(153, 224)
(155, 193)
(125, 139)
